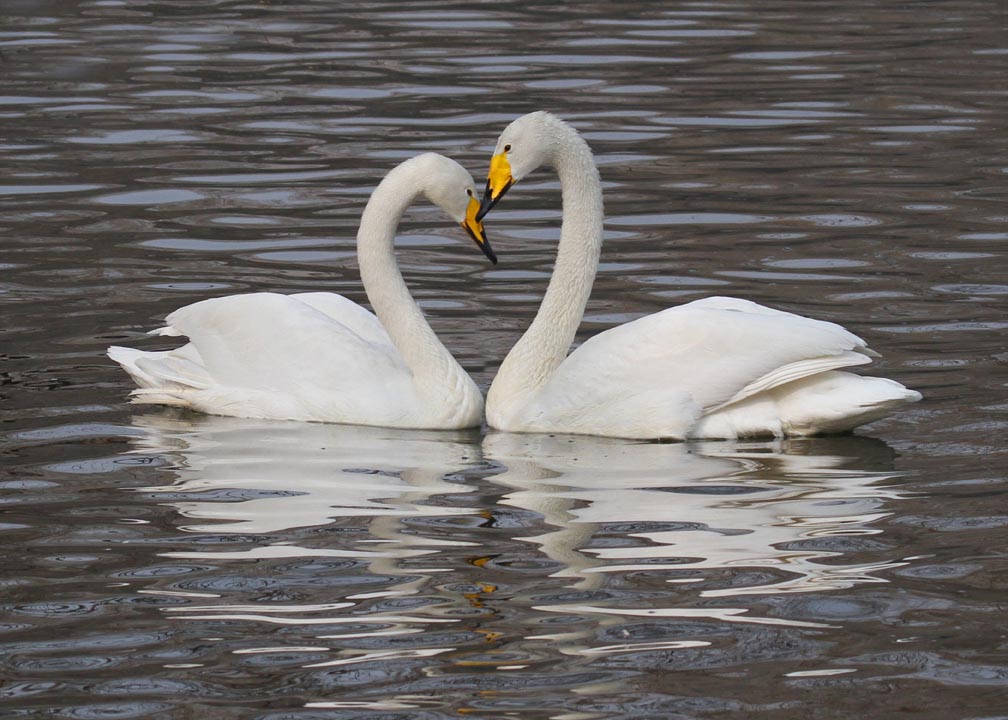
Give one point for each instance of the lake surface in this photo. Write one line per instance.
(843, 161)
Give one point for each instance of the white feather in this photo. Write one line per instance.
(719, 367)
(319, 356)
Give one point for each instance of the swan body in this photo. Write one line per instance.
(319, 356)
(713, 368)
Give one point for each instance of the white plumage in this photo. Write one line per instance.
(713, 368)
(320, 356)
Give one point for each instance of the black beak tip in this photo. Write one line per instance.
(482, 243)
(488, 202)
(486, 205)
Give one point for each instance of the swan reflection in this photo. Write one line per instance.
(259, 477)
(399, 533)
(689, 509)
(263, 482)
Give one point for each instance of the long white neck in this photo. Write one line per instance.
(432, 365)
(545, 344)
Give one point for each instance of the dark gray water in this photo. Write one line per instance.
(845, 161)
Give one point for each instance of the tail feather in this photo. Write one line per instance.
(157, 396)
(795, 371)
(127, 358)
(840, 402)
(163, 378)
(172, 369)
(829, 402)
(167, 331)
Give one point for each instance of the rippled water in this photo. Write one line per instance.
(845, 161)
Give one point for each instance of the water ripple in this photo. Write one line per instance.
(843, 163)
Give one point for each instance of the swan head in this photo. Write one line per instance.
(525, 144)
(450, 186)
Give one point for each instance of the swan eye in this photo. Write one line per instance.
(507, 148)
(469, 192)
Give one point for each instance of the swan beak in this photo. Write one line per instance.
(498, 181)
(475, 229)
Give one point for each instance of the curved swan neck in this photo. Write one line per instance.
(386, 290)
(545, 344)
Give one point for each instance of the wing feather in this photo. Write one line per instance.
(288, 345)
(350, 314)
(719, 350)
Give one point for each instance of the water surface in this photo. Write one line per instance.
(845, 162)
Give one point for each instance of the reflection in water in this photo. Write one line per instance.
(701, 506)
(711, 520)
(293, 475)
(267, 477)
(704, 515)
(162, 153)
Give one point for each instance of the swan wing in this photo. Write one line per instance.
(817, 346)
(278, 341)
(665, 370)
(350, 315)
(271, 355)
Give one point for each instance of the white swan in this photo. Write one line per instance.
(319, 356)
(714, 368)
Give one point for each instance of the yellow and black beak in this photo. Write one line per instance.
(474, 227)
(498, 181)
